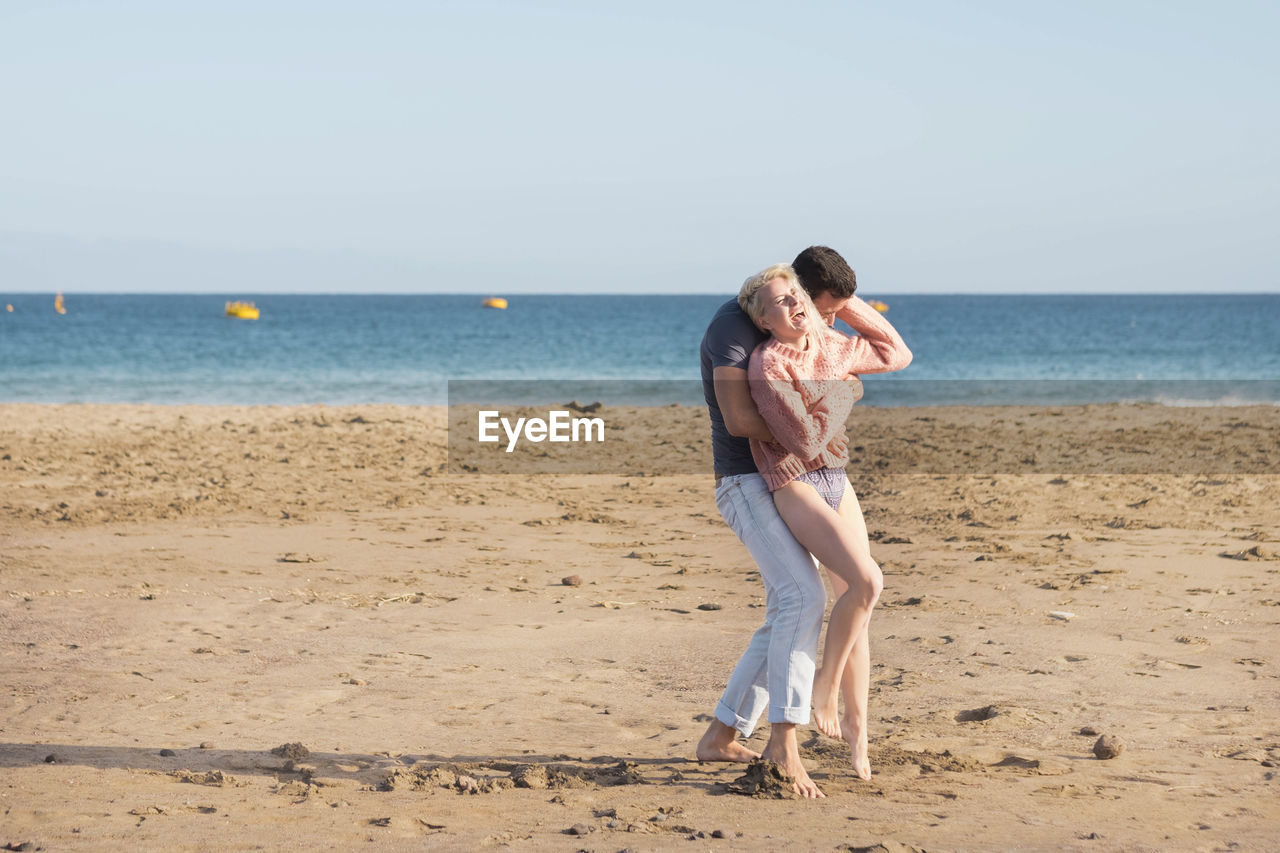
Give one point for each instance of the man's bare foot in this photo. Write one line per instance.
(859, 753)
(789, 761)
(826, 706)
(720, 743)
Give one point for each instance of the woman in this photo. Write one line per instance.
(804, 382)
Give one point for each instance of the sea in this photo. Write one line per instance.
(412, 349)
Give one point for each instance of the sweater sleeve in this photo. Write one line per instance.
(878, 348)
(806, 433)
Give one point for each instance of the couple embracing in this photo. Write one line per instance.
(780, 382)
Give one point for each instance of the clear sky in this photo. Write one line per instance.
(505, 147)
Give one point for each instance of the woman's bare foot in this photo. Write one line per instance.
(720, 743)
(859, 753)
(790, 764)
(826, 706)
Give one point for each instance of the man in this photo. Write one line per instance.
(776, 670)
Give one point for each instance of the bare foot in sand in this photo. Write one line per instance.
(826, 706)
(859, 753)
(789, 761)
(720, 743)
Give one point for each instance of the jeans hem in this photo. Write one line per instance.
(796, 715)
(726, 715)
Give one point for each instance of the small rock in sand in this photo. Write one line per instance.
(977, 715)
(572, 580)
(206, 745)
(167, 753)
(1108, 746)
(1064, 615)
(578, 829)
(1089, 731)
(710, 605)
(292, 751)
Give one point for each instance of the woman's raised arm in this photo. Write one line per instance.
(878, 348)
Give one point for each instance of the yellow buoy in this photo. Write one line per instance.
(57, 304)
(878, 305)
(495, 302)
(242, 310)
(9, 308)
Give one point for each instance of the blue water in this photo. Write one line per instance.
(402, 349)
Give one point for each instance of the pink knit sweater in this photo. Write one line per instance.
(804, 398)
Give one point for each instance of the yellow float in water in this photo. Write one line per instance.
(878, 305)
(9, 308)
(57, 304)
(242, 310)
(495, 302)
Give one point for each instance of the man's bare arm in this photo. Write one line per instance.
(733, 396)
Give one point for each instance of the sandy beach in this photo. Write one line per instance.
(275, 627)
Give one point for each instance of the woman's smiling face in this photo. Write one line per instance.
(785, 314)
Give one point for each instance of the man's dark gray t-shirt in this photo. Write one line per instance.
(729, 340)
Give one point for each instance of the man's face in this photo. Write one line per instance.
(828, 306)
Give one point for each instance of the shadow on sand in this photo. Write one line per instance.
(381, 771)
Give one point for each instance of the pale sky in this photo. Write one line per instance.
(505, 147)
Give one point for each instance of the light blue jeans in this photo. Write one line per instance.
(777, 668)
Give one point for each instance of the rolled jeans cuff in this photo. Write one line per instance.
(726, 715)
(793, 715)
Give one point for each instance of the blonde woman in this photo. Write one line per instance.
(804, 382)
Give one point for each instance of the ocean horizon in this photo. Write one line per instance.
(340, 349)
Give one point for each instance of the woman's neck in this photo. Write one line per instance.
(801, 343)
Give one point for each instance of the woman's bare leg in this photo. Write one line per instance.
(840, 543)
(855, 684)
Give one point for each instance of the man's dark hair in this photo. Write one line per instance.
(822, 270)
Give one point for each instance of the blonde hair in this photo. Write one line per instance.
(751, 301)
(749, 295)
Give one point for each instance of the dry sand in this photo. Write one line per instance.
(257, 628)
